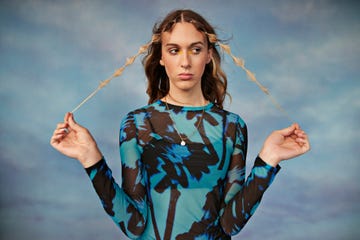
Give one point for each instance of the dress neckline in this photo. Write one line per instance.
(186, 108)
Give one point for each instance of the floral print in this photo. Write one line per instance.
(170, 191)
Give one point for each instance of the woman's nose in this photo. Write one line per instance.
(185, 60)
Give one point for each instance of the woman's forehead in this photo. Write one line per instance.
(183, 33)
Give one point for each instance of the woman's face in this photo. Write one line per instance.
(184, 54)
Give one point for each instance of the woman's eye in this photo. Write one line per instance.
(176, 51)
(173, 51)
(196, 50)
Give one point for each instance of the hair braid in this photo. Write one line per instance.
(118, 72)
(241, 63)
(214, 80)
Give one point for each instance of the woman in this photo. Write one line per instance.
(183, 155)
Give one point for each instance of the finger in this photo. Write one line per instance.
(302, 135)
(301, 140)
(58, 135)
(56, 138)
(304, 142)
(299, 130)
(298, 135)
(72, 123)
(66, 117)
(287, 131)
(62, 126)
(61, 131)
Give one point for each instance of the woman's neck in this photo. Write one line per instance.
(185, 100)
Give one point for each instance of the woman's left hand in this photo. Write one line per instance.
(284, 144)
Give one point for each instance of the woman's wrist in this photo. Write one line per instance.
(92, 156)
(269, 158)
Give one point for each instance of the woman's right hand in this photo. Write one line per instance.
(75, 141)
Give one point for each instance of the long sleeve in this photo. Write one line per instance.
(243, 197)
(127, 204)
(173, 191)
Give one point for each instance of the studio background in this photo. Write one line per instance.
(54, 53)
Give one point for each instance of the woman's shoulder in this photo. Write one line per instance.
(148, 108)
(230, 116)
(144, 110)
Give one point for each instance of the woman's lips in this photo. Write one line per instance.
(185, 76)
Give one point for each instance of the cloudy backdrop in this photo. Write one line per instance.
(54, 53)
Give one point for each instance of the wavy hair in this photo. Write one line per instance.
(214, 80)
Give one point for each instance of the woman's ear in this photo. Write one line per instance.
(209, 55)
(161, 62)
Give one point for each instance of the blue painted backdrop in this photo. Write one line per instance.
(54, 53)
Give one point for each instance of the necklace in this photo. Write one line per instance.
(183, 139)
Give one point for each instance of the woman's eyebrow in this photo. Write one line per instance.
(177, 45)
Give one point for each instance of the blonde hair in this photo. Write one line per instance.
(214, 80)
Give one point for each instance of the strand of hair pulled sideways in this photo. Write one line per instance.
(118, 72)
(241, 63)
(213, 39)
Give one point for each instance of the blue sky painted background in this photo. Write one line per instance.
(54, 53)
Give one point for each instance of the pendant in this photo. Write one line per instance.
(182, 143)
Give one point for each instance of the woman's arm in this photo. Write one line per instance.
(127, 209)
(242, 198)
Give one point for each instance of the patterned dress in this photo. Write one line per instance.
(171, 191)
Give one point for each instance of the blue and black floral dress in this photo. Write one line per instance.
(174, 191)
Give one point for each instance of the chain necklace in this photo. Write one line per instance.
(183, 139)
